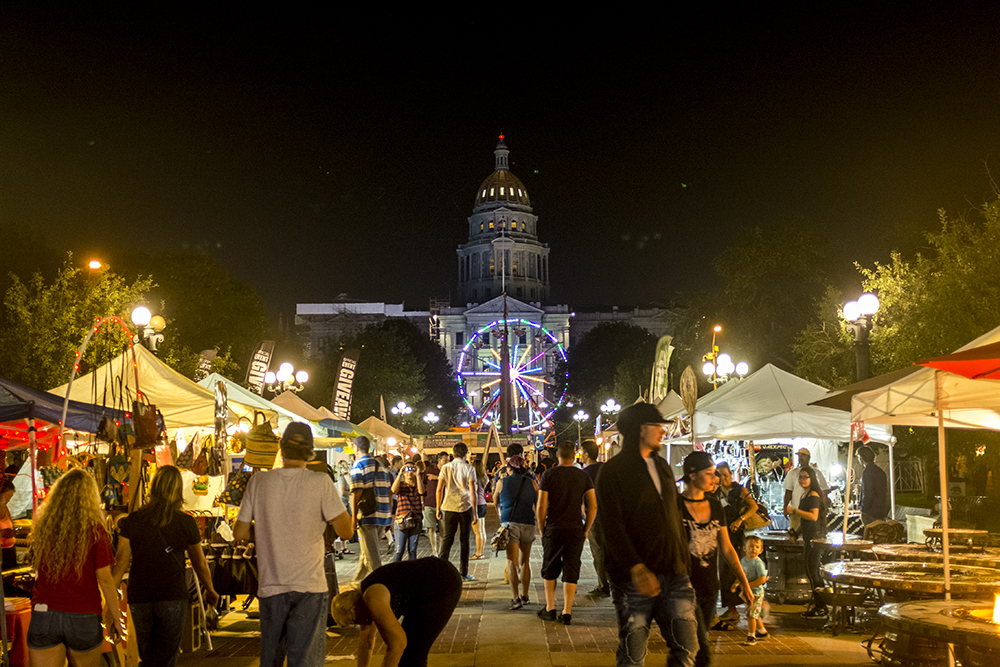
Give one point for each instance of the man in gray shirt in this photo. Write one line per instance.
(290, 508)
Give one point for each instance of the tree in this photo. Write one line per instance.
(771, 277)
(205, 306)
(43, 324)
(614, 359)
(824, 350)
(398, 362)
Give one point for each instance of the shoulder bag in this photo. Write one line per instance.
(502, 536)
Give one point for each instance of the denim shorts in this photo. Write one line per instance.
(78, 632)
(480, 511)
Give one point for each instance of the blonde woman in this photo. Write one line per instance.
(71, 553)
(158, 534)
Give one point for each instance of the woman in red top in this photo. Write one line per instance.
(72, 555)
(409, 489)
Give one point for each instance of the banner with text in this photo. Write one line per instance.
(345, 383)
(259, 363)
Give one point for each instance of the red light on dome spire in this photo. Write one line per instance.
(501, 137)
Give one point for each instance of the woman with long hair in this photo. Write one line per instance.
(812, 513)
(738, 505)
(158, 534)
(481, 481)
(71, 553)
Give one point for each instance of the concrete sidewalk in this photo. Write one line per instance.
(484, 633)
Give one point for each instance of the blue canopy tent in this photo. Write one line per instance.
(22, 408)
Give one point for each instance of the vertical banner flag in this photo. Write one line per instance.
(205, 361)
(344, 385)
(659, 383)
(258, 366)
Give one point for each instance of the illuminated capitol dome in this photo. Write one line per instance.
(503, 251)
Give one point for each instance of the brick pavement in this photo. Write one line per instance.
(483, 632)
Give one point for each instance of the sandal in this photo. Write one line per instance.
(723, 625)
(476, 557)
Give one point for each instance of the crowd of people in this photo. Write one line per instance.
(661, 554)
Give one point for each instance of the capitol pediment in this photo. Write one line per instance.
(514, 308)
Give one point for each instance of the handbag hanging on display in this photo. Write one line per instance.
(261, 443)
(144, 422)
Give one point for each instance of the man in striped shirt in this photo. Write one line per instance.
(367, 473)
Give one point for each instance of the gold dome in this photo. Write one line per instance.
(502, 186)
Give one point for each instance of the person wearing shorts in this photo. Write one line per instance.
(72, 555)
(514, 494)
(562, 491)
(756, 573)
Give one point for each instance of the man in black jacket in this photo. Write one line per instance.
(646, 558)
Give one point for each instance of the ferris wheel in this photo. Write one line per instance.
(534, 354)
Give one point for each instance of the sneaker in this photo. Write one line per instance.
(515, 604)
(762, 635)
(751, 640)
(815, 613)
(547, 614)
(566, 619)
(468, 577)
(524, 599)
(599, 593)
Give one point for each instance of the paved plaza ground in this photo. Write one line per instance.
(484, 633)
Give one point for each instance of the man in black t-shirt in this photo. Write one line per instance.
(562, 492)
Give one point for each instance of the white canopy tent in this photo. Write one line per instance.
(929, 397)
(247, 397)
(773, 406)
(182, 402)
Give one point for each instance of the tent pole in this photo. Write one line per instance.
(892, 482)
(848, 473)
(943, 476)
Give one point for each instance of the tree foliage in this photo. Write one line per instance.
(770, 277)
(398, 362)
(614, 359)
(43, 323)
(825, 349)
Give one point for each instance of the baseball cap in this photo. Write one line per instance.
(804, 451)
(634, 416)
(696, 462)
(298, 433)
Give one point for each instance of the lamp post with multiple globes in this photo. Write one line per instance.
(720, 367)
(285, 379)
(150, 328)
(859, 316)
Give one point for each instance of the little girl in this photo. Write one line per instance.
(756, 573)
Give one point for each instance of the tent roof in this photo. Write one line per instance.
(182, 402)
(911, 400)
(380, 429)
(326, 420)
(772, 404)
(19, 403)
(840, 399)
(249, 398)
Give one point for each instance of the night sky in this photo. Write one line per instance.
(340, 153)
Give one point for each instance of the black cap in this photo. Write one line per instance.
(634, 416)
(298, 433)
(696, 462)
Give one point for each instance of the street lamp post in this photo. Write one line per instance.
(610, 408)
(286, 379)
(401, 409)
(150, 328)
(579, 418)
(859, 315)
(430, 419)
(720, 367)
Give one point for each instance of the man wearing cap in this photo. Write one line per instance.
(647, 556)
(794, 491)
(290, 508)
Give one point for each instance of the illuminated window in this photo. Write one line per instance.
(484, 193)
(519, 193)
(480, 226)
(514, 266)
(501, 191)
(491, 225)
(491, 192)
(493, 270)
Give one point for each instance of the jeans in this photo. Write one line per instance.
(596, 540)
(452, 521)
(159, 627)
(673, 610)
(812, 558)
(293, 625)
(406, 541)
(706, 613)
(370, 556)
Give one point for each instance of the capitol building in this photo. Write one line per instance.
(502, 255)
